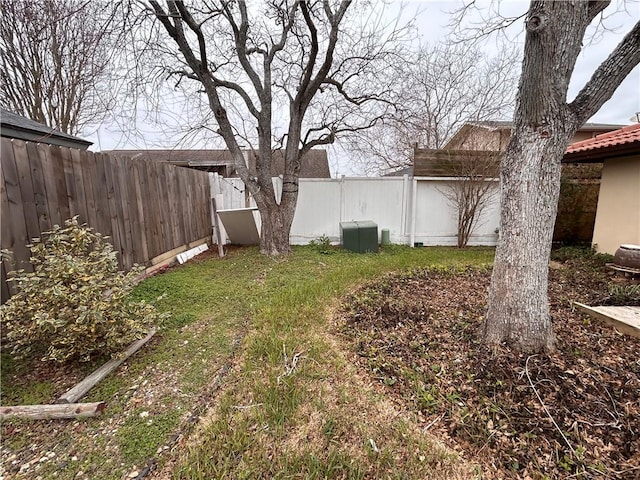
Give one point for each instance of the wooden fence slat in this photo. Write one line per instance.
(72, 195)
(39, 188)
(79, 186)
(48, 174)
(120, 203)
(180, 203)
(58, 163)
(140, 182)
(88, 169)
(172, 217)
(193, 191)
(132, 210)
(103, 212)
(6, 238)
(4, 285)
(154, 196)
(113, 209)
(164, 206)
(190, 225)
(15, 237)
(21, 156)
(124, 209)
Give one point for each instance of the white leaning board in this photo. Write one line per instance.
(241, 225)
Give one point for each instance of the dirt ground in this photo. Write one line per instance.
(572, 414)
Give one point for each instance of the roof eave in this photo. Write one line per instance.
(29, 135)
(599, 155)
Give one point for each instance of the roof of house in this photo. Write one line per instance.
(13, 125)
(401, 172)
(315, 163)
(501, 125)
(621, 142)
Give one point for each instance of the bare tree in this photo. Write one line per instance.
(530, 173)
(439, 89)
(473, 189)
(284, 74)
(55, 61)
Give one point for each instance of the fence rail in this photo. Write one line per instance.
(146, 208)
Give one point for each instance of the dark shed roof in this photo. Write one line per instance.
(13, 125)
(314, 163)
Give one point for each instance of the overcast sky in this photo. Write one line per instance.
(433, 22)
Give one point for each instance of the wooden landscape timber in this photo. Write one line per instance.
(625, 319)
(168, 258)
(46, 412)
(77, 392)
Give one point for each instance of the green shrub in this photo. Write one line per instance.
(74, 304)
(322, 244)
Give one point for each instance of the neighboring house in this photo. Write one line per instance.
(496, 135)
(618, 213)
(13, 125)
(580, 183)
(314, 164)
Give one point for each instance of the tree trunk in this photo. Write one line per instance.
(276, 224)
(274, 236)
(518, 312)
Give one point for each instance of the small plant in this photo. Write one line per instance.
(621, 294)
(322, 244)
(75, 303)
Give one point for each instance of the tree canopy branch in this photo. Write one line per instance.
(608, 77)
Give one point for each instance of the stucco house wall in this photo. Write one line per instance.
(618, 213)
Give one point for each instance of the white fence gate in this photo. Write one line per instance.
(412, 209)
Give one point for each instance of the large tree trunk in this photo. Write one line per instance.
(277, 217)
(518, 311)
(275, 230)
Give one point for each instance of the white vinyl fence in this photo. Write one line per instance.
(412, 209)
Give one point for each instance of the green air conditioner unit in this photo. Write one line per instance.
(360, 236)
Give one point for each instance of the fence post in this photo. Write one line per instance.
(414, 200)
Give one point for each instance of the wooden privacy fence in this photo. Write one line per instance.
(146, 208)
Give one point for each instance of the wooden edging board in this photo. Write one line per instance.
(77, 392)
(169, 257)
(601, 313)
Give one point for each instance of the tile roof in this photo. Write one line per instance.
(625, 135)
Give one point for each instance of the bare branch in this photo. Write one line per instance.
(608, 77)
(55, 59)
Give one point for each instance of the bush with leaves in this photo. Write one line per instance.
(74, 305)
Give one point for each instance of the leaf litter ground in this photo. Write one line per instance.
(571, 414)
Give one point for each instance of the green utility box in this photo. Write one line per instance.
(360, 236)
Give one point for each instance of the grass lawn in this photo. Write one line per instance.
(247, 380)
